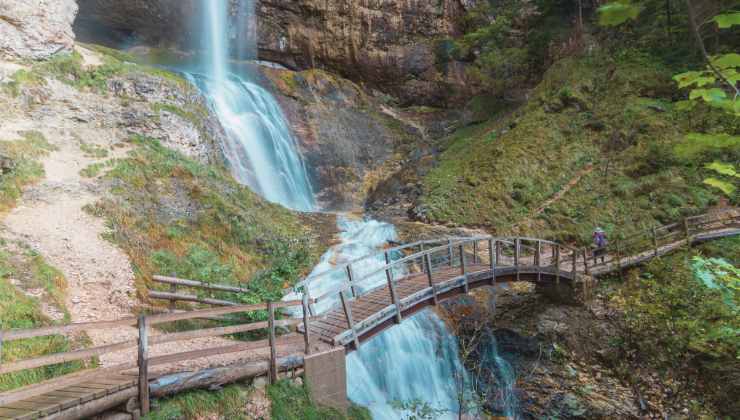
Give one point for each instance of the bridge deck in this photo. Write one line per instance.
(352, 318)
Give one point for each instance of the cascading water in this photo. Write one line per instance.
(259, 146)
(505, 375)
(415, 361)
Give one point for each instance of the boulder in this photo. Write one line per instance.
(36, 29)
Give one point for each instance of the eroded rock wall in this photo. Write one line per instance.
(390, 45)
(36, 29)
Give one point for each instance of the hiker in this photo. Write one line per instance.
(600, 243)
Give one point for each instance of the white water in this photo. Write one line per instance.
(417, 360)
(259, 146)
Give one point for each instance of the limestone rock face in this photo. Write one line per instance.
(390, 44)
(393, 45)
(345, 135)
(36, 29)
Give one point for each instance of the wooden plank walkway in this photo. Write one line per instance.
(398, 282)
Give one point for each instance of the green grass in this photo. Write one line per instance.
(195, 115)
(94, 169)
(292, 402)
(20, 311)
(174, 216)
(228, 403)
(93, 150)
(25, 169)
(496, 173)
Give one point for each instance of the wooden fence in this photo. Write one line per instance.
(143, 361)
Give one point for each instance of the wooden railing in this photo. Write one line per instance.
(143, 361)
(655, 241)
(174, 294)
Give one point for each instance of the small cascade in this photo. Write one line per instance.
(505, 387)
(416, 361)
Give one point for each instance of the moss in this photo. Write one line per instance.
(24, 166)
(174, 216)
(93, 150)
(614, 114)
(194, 114)
(20, 311)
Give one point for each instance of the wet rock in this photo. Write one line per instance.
(36, 29)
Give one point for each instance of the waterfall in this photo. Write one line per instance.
(505, 378)
(259, 147)
(415, 361)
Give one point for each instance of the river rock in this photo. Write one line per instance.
(36, 29)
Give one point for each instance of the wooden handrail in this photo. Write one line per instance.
(198, 284)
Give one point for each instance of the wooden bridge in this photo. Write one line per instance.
(374, 293)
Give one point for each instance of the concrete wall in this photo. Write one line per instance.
(327, 378)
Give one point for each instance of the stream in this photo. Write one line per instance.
(413, 364)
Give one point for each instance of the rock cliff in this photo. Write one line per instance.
(36, 29)
(391, 45)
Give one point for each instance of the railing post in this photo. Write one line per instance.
(655, 241)
(463, 268)
(392, 287)
(273, 345)
(173, 290)
(351, 280)
(538, 261)
(449, 251)
(518, 246)
(686, 230)
(619, 259)
(306, 325)
(428, 264)
(557, 263)
(306, 292)
(498, 252)
(350, 322)
(491, 257)
(575, 262)
(585, 261)
(143, 362)
(475, 252)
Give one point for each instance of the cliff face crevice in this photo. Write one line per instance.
(389, 45)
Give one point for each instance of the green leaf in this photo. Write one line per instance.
(616, 13)
(723, 169)
(727, 20)
(708, 95)
(726, 61)
(723, 186)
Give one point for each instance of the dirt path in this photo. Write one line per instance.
(50, 217)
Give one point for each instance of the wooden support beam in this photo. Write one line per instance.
(464, 269)
(392, 288)
(197, 284)
(350, 322)
(272, 340)
(155, 294)
(143, 362)
(428, 264)
(306, 325)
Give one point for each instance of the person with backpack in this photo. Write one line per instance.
(600, 243)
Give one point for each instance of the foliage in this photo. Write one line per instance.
(686, 309)
(618, 12)
(621, 121)
(24, 166)
(417, 410)
(292, 402)
(177, 217)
